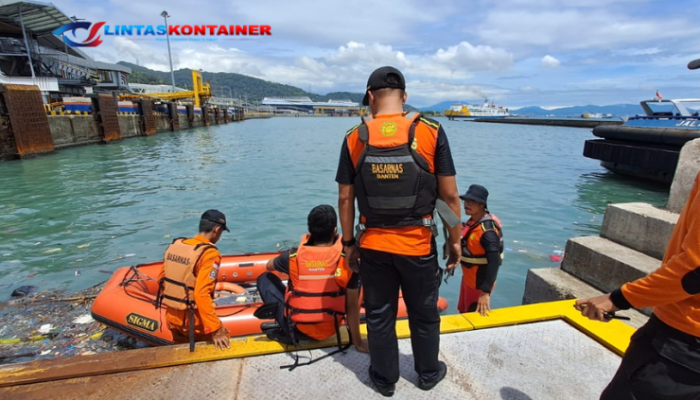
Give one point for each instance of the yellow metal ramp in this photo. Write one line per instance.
(542, 351)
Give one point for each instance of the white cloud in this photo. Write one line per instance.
(550, 62)
(480, 57)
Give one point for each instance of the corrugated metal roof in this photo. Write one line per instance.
(39, 18)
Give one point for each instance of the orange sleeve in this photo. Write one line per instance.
(343, 273)
(665, 285)
(204, 286)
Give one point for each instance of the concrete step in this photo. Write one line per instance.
(639, 226)
(551, 284)
(605, 264)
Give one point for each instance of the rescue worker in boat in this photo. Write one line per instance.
(188, 283)
(399, 168)
(663, 357)
(482, 252)
(319, 278)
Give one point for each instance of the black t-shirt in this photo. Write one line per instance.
(444, 165)
(281, 264)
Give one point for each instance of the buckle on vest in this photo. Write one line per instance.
(359, 230)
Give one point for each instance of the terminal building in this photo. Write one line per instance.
(304, 105)
(30, 54)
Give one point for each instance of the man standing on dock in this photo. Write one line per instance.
(663, 358)
(397, 165)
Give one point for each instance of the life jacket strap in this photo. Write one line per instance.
(324, 294)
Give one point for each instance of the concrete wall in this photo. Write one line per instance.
(198, 121)
(163, 123)
(130, 125)
(184, 123)
(73, 130)
(686, 171)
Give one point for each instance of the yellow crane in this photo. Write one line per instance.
(199, 93)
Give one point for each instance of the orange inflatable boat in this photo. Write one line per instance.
(127, 302)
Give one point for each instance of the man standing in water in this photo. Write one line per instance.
(397, 165)
(663, 358)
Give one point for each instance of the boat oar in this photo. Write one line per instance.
(695, 64)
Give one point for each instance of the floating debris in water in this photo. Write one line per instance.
(46, 328)
(558, 252)
(83, 319)
(166, 236)
(278, 245)
(77, 272)
(37, 243)
(129, 255)
(30, 276)
(24, 291)
(555, 258)
(51, 251)
(82, 246)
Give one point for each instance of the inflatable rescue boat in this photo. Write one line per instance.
(127, 302)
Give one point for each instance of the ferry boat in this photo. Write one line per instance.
(468, 111)
(648, 146)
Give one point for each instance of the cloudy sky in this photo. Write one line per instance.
(521, 52)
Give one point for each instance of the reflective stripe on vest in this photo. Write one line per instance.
(179, 262)
(468, 254)
(315, 296)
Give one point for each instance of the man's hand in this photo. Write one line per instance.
(352, 255)
(483, 305)
(220, 338)
(595, 307)
(453, 258)
(361, 346)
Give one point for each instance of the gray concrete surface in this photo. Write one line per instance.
(129, 125)
(538, 361)
(552, 284)
(639, 226)
(686, 171)
(605, 264)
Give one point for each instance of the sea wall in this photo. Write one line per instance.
(28, 127)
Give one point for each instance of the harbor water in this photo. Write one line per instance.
(69, 219)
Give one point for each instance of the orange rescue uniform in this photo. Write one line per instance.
(205, 319)
(410, 240)
(673, 289)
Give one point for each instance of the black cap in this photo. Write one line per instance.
(216, 217)
(477, 193)
(382, 78)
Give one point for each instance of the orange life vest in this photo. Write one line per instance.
(393, 184)
(177, 286)
(473, 253)
(315, 295)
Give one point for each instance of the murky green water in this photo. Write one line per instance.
(69, 219)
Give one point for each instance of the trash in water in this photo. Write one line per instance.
(82, 246)
(30, 276)
(51, 251)
(278, 245)
(83, 319)
(558, 252)
(24, 291)
(166, 236)
(46, 328)
(77, 272)
(129, 255)
(37, 243)
(45, 352)
(555, 258)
